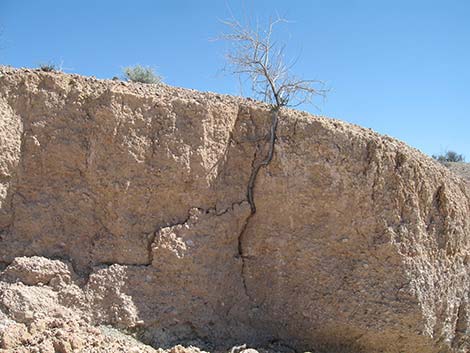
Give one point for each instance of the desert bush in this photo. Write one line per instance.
(48, 67)
(141, 74)
(449, 156)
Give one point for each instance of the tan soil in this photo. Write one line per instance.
(460, 168)
(123, 209)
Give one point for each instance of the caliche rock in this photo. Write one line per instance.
(358, 241)
(37, 270)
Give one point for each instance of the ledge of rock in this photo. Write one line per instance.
(124, 206)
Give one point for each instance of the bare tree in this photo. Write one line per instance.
(258, 57)
(261, 59)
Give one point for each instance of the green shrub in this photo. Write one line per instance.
(449, 156)
(48, 67)
(141, 74)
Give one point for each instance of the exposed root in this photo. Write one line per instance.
(255, 170)
(250, 191)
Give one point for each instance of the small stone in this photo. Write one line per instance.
(249, 350)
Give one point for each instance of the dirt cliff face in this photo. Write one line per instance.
(125, 205)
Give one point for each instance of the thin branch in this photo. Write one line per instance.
(258, 56)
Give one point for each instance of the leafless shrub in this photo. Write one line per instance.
(260, 58)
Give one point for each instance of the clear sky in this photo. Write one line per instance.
(400, 67)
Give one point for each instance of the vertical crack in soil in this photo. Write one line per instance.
(242, 255)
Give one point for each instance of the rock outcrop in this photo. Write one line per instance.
(125, 205)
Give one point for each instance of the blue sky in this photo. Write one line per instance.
(400, 67)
